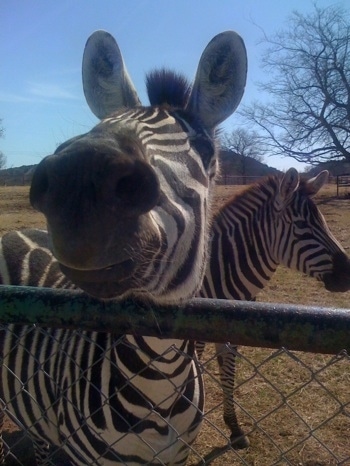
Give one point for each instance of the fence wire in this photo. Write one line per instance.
(294, 407)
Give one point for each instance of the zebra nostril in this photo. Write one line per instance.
(139, 190)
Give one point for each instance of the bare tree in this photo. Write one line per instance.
(3, 160)
(243, 144)
(309, 116)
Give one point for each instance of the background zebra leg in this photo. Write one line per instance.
(227, 368)
(200, 345)
(226, 357)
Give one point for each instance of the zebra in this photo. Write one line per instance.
(127, 207)
(274, 221)
(281, 206)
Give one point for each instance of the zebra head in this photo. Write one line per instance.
(128, 203)
(305, 242)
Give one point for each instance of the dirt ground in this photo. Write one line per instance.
(294, 406)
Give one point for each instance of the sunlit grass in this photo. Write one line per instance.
(294, 406)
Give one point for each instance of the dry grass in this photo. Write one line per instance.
(15, 210)
(296, 403)
(285, 404)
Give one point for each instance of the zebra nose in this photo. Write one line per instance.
(129, 186)
(132, 187)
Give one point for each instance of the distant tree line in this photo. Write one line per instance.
(244, 145)
(3, 160)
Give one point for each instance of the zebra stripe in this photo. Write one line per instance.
(273, 222)
(105, 405)
(128, 213)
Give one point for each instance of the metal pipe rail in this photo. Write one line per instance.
(301, 328)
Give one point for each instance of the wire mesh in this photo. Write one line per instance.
(293, 406)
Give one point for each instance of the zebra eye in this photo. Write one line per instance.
(205, 148)
(300, 224)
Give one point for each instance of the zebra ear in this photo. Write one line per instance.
(106, 83)
(314, 184)
(220, 79)
(289, 184)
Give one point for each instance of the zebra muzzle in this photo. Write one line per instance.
(112, 273)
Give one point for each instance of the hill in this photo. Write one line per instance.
(16, 176)
(335, 168)
(234, 170)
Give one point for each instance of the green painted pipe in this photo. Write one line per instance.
(303, 328)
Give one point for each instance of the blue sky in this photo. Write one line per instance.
(42, 42)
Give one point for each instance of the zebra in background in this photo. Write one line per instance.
(272, 222)
(128, 212)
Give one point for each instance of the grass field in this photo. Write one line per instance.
(295, 403)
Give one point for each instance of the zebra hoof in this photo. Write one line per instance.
(239, 442)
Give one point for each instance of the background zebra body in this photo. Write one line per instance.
(128, 213)
(273, 222)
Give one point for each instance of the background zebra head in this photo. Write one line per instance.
(303, 240)
(274, 221)
(127, 204)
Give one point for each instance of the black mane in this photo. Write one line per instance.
(166, 87)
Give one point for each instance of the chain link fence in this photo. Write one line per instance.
(294, 406)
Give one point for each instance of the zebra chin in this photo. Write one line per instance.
(120, 282)
(108, 290)
(336, 283)
(111, 282)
